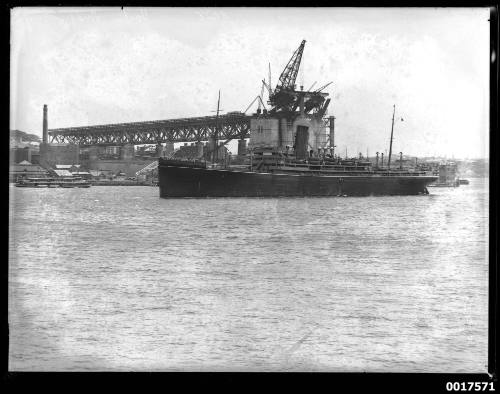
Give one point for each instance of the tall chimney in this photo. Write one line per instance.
(45, 125)
(332, 133)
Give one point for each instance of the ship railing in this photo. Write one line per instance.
(399, 173)
(356, 172)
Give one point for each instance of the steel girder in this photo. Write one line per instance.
(230, 126)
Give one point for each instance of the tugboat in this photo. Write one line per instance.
(290, 155)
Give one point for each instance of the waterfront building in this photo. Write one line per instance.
(27, 170)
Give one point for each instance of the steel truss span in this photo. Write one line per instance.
(230, 126)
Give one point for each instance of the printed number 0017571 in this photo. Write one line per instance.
(470, 386)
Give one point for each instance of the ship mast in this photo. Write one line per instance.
(216, 137)
(390, 145)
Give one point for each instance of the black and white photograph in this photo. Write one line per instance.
(236, 189)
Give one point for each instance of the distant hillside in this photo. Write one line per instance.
(18, 134)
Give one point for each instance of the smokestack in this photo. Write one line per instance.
(45, 125)
(332, 133)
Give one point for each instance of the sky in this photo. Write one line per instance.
(100, 65)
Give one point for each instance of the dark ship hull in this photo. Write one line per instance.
(191, 180)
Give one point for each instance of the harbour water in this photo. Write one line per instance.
(115, 278)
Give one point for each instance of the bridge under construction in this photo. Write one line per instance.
(229, 126)
(283, 99)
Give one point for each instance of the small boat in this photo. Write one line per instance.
(33, 182)
(66, 182)
(463, 181)
(74, 182)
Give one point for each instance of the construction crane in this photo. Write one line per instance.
(270, 88)
(285, 98)
(260, 98)
(289, 74)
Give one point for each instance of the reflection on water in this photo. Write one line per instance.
(115, 278)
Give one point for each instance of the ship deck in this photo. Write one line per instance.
(311, 169)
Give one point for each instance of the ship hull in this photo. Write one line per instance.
(177, 181)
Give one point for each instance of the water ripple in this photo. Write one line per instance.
(114, 278)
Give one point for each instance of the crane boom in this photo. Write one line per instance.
(253, 101)
(321, 88)
(270, 85)
(261, 95)
(289, 74)
(308, 90)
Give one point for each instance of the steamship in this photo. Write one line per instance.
(290, 153)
